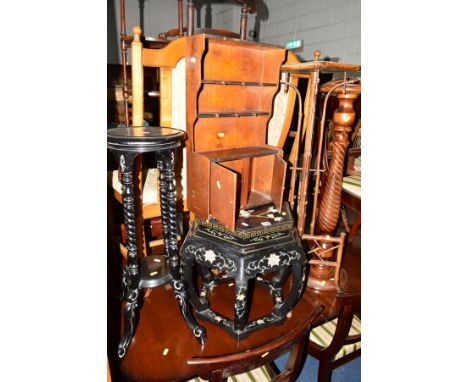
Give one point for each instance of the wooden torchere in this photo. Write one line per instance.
(320, 276)
(311, 71)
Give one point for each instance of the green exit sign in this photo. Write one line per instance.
(294, 44)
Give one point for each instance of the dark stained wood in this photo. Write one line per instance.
(190, 18)
(238, 153)
(348, 305)
(354, 203)
(250, 4)
(161, 326)
(160, 329)
(180, 17)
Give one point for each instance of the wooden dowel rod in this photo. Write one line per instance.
(232, 114)
(323, 262)
(238, 83)
(328, 238)
(180, 8)
(339, 257)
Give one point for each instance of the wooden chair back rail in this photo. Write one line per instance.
(352, 339)
(233, 364)
(348, 306)
(210, 31)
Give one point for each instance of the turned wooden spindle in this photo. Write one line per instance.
(190, 18)
(123, 57)
(343, 119)
(180, 12)
(310, 105)
(137, 78)
(243, 22)
(316, 55)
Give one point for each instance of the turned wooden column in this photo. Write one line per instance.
(123, 57)
(190, 18)
(180, 13)
(343, 119)
(243, 22)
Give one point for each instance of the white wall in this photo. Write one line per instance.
(332, 26)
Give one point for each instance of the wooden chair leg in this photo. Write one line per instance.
(216, 376)
(294, 362)
(295, 358)
(355, 227)
(324, 371)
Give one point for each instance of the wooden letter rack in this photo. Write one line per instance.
(230, 88)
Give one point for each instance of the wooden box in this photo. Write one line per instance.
(230, 89)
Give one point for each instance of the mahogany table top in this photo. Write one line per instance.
(161, 327)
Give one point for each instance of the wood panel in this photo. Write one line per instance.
(216, 98)
(167, 56)
(277, 187)
(223, 195)
(165, 104)
(243, 62)
(262, 173)
(220, 133)
(198, 185)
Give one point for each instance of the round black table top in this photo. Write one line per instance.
(143, 139)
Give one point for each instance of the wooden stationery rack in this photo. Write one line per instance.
(230, 89)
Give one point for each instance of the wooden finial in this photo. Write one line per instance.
(316, 55)
(136, 33)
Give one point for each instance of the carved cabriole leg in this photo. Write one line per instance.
(189, 263)
(298, 278)
(328, 216)
(130, 277)
(169, 223)
(280, 278)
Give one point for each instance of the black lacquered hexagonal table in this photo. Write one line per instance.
(265, 243)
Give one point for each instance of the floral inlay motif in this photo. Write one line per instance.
(210, 256)
(273, 260)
